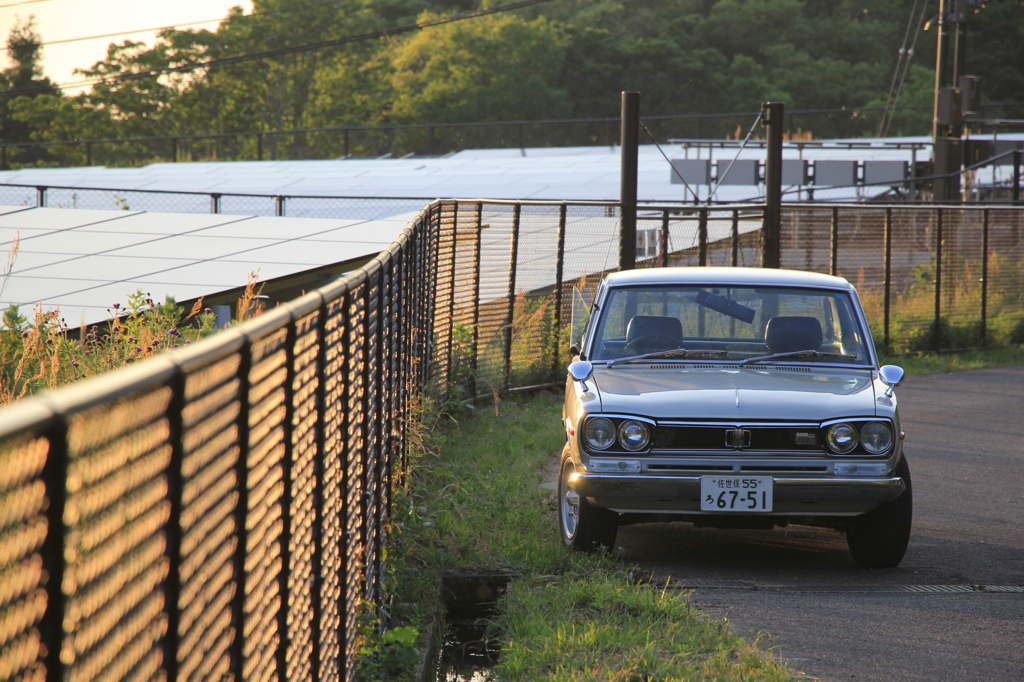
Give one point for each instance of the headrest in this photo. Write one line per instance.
(651, 325)
(788, 334)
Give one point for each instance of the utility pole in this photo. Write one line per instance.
(954, 95)
(772, 114)
(628, 179)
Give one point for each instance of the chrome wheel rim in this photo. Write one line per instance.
(570, 504)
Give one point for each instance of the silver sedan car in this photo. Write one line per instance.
(732, 398)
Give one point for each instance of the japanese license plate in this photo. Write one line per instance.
(736, 493)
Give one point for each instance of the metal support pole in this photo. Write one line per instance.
(214, 203)
(54, 551)
(559, 274)
(735, 238)
(937, 327)
(175, 485)
(772, 114)
(984, 277)
(279, 206)
(663, 241)
(629, 136)
(833, 246)
(1016, 174)
(284, 637)
(513, 257)
(702, 237)
(41, 197)
(241, 513)
(476, 297)
(888, 278)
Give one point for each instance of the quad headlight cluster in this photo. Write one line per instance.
(874, 437)
(602, 433)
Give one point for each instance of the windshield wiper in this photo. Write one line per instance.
(674, 353)
(798, 354)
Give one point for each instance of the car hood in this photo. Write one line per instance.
(798, 393)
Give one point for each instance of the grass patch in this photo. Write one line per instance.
(473, 501)
(929, 363)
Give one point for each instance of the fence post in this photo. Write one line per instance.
(175, 484)
(1017, 175)
(214, 203)
(317, 496)
(937, 325)
(559, 273)
(984, 277)
(510, 315)
(735, 238)
(241, 509)
(279, 206)
(663, 240)
(55, 476)
(833, 247)
(628, 179)
(287, 481)
(476, 296)
(888, 277)
(702, 236)
(772, 114)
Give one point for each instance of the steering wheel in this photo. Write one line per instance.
(650, 343)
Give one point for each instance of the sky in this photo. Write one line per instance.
(64, 19)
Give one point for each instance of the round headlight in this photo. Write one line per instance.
(600, 433)
(876, 437)
(841, 438)
(634, 435)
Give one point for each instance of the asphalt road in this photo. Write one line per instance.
(953, 610)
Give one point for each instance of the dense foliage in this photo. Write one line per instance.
(566, 58)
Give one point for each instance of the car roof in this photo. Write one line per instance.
(726, 276)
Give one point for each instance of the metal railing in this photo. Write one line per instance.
(219, 511)
(427, 138)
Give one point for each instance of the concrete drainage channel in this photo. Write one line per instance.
(459, 648)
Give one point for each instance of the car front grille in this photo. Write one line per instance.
(761, 438)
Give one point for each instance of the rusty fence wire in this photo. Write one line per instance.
(219, 511)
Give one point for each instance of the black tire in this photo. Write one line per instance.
(879, 539)
(583, 526)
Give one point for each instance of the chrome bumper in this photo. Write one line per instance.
(830, 489)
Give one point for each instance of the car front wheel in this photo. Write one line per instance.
(584, 526)
(880, 538)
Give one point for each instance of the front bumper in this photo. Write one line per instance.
(817, 495)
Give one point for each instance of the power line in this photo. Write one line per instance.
(24, 2)
(292, 49)
(174, 26)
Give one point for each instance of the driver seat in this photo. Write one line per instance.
(653, 325)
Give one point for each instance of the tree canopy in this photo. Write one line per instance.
(567, 58)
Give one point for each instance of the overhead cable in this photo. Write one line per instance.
(174, 26)
(281, 51)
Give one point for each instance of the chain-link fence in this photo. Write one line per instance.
(432, 139)
(219, 511)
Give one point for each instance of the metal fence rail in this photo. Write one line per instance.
(219, 511)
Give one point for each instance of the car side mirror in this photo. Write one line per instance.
(891, 376)
(581, 371)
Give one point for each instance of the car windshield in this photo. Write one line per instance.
(750, 324)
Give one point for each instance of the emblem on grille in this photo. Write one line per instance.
(737, 438)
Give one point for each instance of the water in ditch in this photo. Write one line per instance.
(467, 653)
